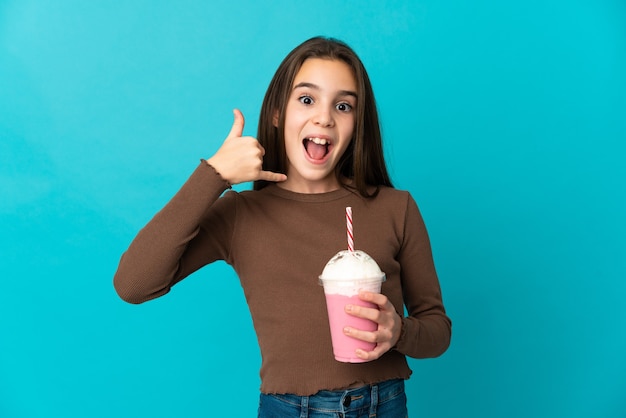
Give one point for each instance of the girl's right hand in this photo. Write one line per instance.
(240, 158)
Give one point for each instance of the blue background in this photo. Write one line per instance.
(506, 121)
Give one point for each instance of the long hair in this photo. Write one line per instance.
(363, 161)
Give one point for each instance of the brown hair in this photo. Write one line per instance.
(363, 160)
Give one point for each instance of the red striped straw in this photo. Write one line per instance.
(350, 231)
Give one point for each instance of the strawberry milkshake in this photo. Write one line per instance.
(343, 276)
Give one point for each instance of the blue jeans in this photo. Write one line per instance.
(383, 400)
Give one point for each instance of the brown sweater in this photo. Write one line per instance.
(278, 243)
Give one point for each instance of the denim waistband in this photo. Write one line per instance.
(344, 402)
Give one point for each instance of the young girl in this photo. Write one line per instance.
(318, 151)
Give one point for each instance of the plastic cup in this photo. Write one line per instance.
(344, 275)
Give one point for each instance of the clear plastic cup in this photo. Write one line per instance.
(344, 275)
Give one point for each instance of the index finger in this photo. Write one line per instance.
(379, 299)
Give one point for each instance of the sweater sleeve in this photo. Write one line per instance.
(167, 249)
(426, 331)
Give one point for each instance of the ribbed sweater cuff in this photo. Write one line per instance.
(226, 183)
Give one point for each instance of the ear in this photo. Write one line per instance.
(275, 119)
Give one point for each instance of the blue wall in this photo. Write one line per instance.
(506, 120)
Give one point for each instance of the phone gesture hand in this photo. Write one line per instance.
(240, 158)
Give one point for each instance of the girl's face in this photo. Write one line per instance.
(319, 122)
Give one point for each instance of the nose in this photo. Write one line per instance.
(323, 117)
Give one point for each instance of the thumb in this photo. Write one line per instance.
(238, 123)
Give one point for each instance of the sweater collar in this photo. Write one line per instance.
(273, 189)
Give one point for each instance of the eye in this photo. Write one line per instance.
(307, 100)
(344, 107)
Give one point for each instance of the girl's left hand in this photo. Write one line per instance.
(388, 320)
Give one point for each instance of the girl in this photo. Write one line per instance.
(318, 151)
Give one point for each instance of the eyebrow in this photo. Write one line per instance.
(316, 87)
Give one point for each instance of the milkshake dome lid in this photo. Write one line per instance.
(350, 265)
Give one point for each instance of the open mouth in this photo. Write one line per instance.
(316, 148)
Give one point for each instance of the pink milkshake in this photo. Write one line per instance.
(344, 275)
